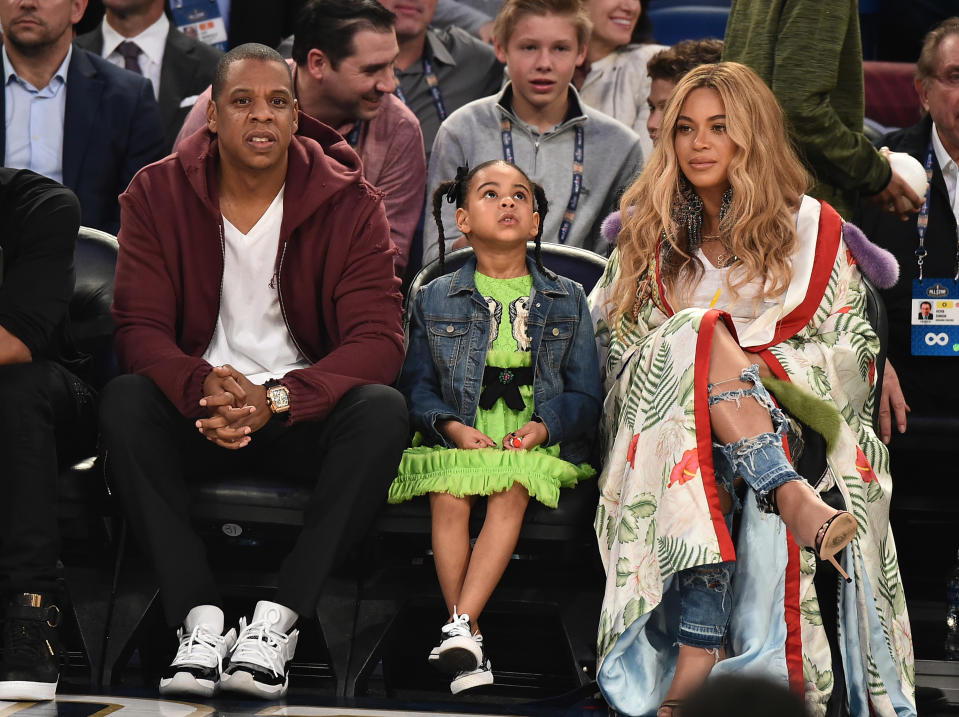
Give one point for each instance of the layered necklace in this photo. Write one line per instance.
(726, 257)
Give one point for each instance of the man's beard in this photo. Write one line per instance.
(35, 46)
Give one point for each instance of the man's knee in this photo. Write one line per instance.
(27, 382)
(378, 408)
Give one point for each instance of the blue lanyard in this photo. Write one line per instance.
(433, 84)
(579, 151)
(922, 222)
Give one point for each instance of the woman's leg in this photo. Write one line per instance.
(451, 543)
(494, 546)
(744, 418)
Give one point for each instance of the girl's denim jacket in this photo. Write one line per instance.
(449, 331)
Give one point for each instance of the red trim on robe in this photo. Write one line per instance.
(791, 599)
(704, 433)
(827, 247)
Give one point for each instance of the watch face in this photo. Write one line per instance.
(280, 397)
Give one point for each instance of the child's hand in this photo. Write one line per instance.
(531, 435)
(465, 436)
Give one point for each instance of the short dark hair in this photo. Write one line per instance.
(249, 51)
(329, 26)
(928, 57)
(926, 303)
(674, 62)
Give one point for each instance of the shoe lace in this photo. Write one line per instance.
(200, 647)
(260, 644)
(459, 626)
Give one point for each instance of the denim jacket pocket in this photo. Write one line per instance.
(555, 343)
(448, 339)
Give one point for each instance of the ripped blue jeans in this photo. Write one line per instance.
(705, 595)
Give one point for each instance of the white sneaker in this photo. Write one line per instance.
(481, 675)
(260, 662)
(458, 651)
(197, 668)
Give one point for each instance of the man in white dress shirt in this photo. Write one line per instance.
(138, 36)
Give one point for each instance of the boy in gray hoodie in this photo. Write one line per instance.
(583, 158)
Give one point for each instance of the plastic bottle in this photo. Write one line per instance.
(952, 614)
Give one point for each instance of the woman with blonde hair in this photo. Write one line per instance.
(725, 278)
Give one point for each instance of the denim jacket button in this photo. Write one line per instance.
(555, 332)
(537, 304)
(449, 329)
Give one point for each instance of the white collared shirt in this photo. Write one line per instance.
(950, 172)
(34, 120)
(151, 42)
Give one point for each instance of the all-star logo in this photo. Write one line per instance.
(937, 291)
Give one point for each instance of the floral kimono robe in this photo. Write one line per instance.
(659, 510)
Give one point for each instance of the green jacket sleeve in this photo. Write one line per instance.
(817, 65)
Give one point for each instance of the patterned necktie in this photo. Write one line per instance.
(130, 52)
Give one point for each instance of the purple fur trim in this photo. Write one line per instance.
(877, 264)
(611, 227)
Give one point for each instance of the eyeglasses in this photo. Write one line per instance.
(950, 79)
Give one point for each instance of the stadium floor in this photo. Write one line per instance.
(148, 706)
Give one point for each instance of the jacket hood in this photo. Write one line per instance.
(321, 164)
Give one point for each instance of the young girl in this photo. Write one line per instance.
(502, 381)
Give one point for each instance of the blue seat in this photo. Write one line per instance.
(688, 22)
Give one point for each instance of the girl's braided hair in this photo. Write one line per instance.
(454, 191)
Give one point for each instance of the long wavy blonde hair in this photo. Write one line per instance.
(766, 177)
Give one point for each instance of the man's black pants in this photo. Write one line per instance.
(153, 451)
(46, 414)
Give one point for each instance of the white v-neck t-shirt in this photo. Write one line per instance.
(250, 333)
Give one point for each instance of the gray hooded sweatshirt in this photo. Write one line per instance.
(612, 158)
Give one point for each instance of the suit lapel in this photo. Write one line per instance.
(175, 74)
(92, 41)
(84, 87)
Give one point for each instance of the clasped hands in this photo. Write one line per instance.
(531, 435)
(237, 408)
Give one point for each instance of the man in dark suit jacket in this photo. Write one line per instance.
(111, 123)
(928, 382)
(179, 67)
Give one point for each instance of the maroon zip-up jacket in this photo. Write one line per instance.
(334, 273)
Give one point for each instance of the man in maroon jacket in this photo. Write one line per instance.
(258, 314)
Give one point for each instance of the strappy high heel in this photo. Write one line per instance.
(832, 536)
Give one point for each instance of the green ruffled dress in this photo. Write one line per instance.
(436, 469)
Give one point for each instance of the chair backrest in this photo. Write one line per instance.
(876, 314)
(91, 323)
(688, 22)
(581, 265)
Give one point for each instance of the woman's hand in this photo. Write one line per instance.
(465, 436)
(531, 435)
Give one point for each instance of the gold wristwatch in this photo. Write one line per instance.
(277, 398)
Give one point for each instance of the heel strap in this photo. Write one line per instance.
(824, 530)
